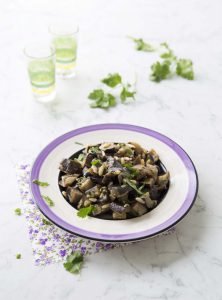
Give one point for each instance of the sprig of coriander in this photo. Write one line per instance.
(85, 211)
(140, 45)
(48, 200)
(74, 262)
(133, 185)
(112, 80)
(170, 64)
(18, 211)
(40, 183)
(102, 99)
(184, 69)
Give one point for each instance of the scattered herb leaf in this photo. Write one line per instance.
(18, 256)
(185, 69)
(40, 183)
(160, 71)
(46, 222)
(126, 93)
(18, 211)
(133, 185)
(112, 80)
(48, 200)
(140, 45)
(85, 211)
(74, 262)
(94, 149)
(169, 52)
(101, 99)
(96, 162)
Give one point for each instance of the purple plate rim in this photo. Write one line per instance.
(172, 221)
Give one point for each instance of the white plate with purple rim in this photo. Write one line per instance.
(172, 209)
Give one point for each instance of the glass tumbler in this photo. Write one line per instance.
(65, 41)
(41, 70)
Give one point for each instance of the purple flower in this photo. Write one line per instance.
(83, 250)
(43, 241)
(62, 253)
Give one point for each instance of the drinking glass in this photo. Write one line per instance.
(64, 39)
(41, 70)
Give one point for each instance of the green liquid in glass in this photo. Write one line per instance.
(66, 48)
(42, 73)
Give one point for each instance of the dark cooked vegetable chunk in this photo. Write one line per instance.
(71, 166)
(117, 180)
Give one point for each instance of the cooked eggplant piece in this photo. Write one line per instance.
(67, 180)
(73, 194)
(89, 158)
(86, 185)
(163, 180)
(119, 215)
(71, 166)
(117, 208)
(139, 209)
(117, 180)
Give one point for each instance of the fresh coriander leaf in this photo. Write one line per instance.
(112, 80)
(160, 71)
(133, 185)
(125, 93)
(46, 222)
(140, 45)
(40, 183)
(101, 99)
(96, 162)
(74, 262)
(94, 149)
(48, 200)
(169, 53)
(78, 143)
(85, 211)
(185, 69)
(18, 211)
(18, 256)
(96, 94)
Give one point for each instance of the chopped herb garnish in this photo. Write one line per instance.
(126, 93)
(140, 45)
(74, 262)
(112, 80)
(78, 143)
(40, 183)
(85, 211)
(94, 149)
(18, 211)
(133, 185)
(101, 99)
(185, 69)
(160, 71)
(18, 256)
(48, 200)
(46, 222)
(96, 162)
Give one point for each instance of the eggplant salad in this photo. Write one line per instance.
(113, 181)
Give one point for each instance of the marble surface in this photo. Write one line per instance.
(184, 265)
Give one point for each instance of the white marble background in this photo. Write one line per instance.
(185, 265)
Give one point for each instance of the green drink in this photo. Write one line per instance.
(41, 70)
(65, 43)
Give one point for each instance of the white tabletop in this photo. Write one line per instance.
(188, 263)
